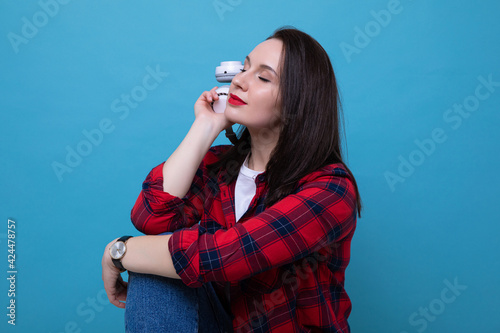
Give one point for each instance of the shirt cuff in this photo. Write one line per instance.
(183, 247)
(152, 188)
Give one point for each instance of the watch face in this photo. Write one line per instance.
(118, 250)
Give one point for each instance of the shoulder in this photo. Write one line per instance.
(331, 178)
(215, 153)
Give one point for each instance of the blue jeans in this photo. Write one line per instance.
(159, 304)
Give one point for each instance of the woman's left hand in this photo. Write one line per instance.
(115, 287)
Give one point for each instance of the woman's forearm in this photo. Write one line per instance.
(149, 255)
(181, 166)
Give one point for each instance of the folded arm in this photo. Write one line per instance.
(317, 216)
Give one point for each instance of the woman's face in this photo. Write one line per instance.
(253, 100)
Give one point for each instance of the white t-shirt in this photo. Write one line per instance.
(245, 189)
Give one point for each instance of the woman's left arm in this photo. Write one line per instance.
(321, 213)
(145, 254)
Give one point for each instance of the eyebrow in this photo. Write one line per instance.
(263, 66)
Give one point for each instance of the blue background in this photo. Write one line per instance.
(436, 225)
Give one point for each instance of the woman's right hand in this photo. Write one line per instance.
(203, 110)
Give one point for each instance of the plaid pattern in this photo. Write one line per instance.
(281, 268)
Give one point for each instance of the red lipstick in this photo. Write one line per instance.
(235, 100)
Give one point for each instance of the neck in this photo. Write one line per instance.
(262, 147)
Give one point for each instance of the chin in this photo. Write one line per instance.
(230, 114)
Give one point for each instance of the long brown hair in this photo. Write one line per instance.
(309, 123)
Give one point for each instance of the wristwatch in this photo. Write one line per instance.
(118, 250)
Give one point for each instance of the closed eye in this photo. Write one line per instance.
(260, 77)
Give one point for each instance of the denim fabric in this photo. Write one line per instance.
(159, 304)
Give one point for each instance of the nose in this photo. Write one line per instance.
(240, 81)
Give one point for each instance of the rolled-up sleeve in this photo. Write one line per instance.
(156, 211)
(320, 213)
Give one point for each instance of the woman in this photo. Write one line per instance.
(262, 228)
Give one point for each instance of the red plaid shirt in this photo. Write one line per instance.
(281, 267)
